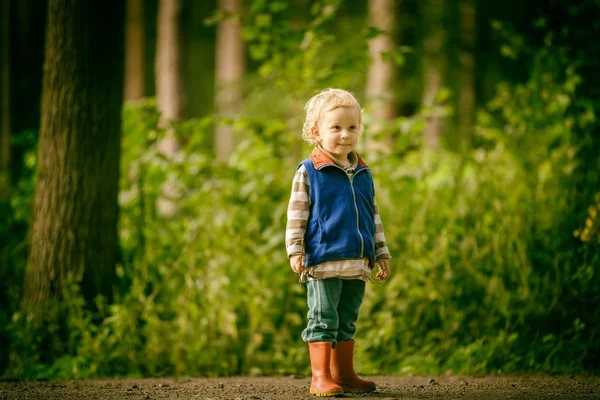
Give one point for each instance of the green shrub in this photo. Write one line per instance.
(495, 251)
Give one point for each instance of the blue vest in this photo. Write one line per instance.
(341, 224)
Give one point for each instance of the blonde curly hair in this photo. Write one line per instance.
(327, 99)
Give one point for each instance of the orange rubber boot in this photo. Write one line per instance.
(321, 384)
(342, 369)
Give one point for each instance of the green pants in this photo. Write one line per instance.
(333, 306)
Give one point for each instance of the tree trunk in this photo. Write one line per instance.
(134, 55)
(466, 80)
(74, 228)
(170, 66)
(171, 92)
(5, 84)
(229, 69)
(380, 95)
(434, 64)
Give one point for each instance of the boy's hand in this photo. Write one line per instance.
(384, 269)
(297, 263)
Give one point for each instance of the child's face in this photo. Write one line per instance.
(337, 131)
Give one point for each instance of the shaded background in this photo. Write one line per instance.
(151, 242)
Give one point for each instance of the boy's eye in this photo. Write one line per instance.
(336, 128)
(352, 128)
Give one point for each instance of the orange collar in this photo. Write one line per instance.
(320, 159)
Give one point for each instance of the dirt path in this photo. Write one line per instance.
(267, 388)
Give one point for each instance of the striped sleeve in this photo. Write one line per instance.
(381, 249)
(297, 213)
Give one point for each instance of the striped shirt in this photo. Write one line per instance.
(297, 218)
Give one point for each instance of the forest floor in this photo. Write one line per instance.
(269, 388)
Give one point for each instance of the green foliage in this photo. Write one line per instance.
(487, 274)
(45, 341)
(15, 212)
(489, 278)
(300, 51)
(495, 262)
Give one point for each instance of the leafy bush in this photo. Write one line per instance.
(495, 251)
(488, 276)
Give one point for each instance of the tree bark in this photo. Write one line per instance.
(74, 228)
(171, 92)
(466, 58)
(134, 55)
(434, 64)
(229, 69)
(381, 75)
(5, 125)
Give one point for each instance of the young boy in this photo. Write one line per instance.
(334, 237)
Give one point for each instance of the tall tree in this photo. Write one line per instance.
(134, 55)
(171, 91)
(229, 69)
(5, 85)
(434, 64)
(74, 227)
(381, 75)
(466, 59)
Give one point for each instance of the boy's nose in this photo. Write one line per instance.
(345, 134)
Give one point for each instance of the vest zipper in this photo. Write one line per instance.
(362, 240)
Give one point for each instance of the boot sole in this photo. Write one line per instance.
(333, 393)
